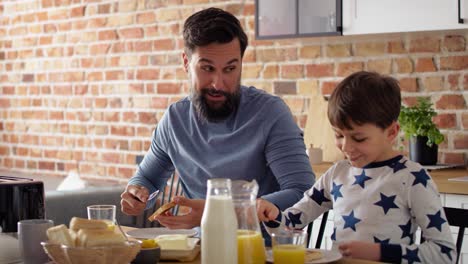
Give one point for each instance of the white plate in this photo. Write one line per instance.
(328, 256)
(153, 232)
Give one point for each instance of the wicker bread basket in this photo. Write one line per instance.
(119, 254)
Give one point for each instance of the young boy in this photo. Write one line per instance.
(378, 197)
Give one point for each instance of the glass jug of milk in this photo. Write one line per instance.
(250, 244)
(219, 224)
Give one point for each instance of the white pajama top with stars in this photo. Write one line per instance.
(383, 202)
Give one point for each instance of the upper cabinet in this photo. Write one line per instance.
(305, 18)
(384, 16)
(297, 18)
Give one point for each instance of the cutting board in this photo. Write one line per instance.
(318, 130)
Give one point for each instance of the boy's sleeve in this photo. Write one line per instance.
(427, 213)
(314, 203)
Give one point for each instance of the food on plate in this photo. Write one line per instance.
(77, 223)
(84, 233)
(312, 255)
(148, 243)
(162, 209)
(173, 242)
(60, 235)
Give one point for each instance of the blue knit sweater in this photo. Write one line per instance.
(259, 141)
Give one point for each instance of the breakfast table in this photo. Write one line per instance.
(197, 260)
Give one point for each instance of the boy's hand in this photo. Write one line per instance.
(360, 250)
(266, 211)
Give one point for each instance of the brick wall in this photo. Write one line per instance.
(84, 82)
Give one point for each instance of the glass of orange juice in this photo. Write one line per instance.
(104, 212)
(250, 247)
(289, 246)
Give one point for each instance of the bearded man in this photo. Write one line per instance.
(222, 130)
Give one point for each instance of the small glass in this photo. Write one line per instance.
(289, 246)
(103, 212)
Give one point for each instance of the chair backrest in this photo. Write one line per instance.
(457, 217)
(172, 188)
(323, 223)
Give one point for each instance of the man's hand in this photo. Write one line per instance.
(266, 211)
(360, 250)
(134, 200)
(190, 220)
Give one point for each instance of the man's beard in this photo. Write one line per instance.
(207, 113)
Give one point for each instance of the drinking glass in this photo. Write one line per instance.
(289, 246)
(103, 212)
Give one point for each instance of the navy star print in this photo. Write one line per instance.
(386, 202)
(336, 191)
(295, 218)
(384, 241)
(412, 256)
(319, 196)
(350, 221)
(445, 250)
(420, 177)
(397, 166)
(406, 230)
(436, 221)
(333, 236)
(361, 179)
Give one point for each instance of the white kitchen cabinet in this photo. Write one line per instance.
(385, 16)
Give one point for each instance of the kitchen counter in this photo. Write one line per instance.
(439, 176)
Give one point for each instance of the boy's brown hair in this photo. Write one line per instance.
(365, 97)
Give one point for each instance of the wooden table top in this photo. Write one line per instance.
(198, 259)
(439, 176)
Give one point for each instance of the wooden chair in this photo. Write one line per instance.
(323, 223)
(457, 217)
(172, 188)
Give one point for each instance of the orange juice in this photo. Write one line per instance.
(250, 247)
(289, 254)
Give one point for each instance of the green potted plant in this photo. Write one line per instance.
(424, 136)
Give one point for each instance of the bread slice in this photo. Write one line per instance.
(77, 223)
(98, 237)
(60, 235)
(162, 209)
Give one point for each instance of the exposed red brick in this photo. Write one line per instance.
(425, 44)
(451, 101)
(460, 141)
(148, 74)
(454, 43)
(328, 87)
(347, 68)
(446, 121)
(129, 33)
(454, 63)
(453, 158)
(284, 88)
(425, 65)
(408, 84)
(464, 119)
(292, 71)
(320, 70)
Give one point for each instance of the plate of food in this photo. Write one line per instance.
(153, 232)
(314, 256)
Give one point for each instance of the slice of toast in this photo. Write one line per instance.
(162, 209)
(60, 235)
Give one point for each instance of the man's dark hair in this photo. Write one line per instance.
(212, 25)
(365, 97)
